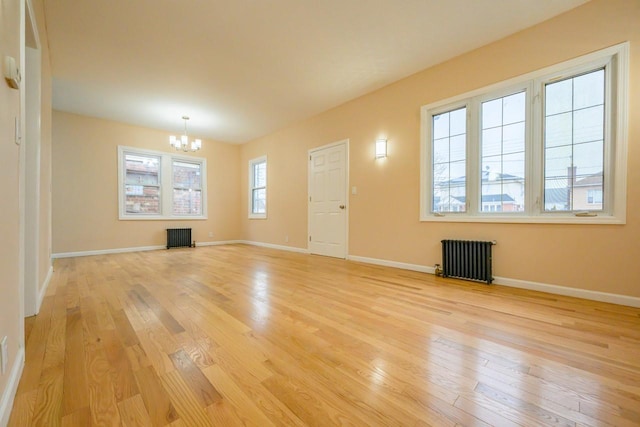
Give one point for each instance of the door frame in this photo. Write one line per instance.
(30, 164)
(344, 142)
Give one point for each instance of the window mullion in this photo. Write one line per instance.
(474, 182)
(166, 186)
(534, 150)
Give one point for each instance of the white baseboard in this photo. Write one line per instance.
(395, 264)
(570, 292)
(43, 289)
(522, 284)
(221, 242)
(9, 393)
(106, 251)
(134, 249)
(273, 246)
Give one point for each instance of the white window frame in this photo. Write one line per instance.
(616, 60)
(166, 184)
(252, 164)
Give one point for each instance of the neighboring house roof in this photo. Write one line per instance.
(558, 196)
(488, 198)
(485, 178)
(590, 180)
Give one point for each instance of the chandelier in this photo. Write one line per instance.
(182, 143)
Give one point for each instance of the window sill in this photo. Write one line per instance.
(258, 216)
(541, 219)
(160, 218)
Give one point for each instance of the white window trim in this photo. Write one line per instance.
(253, 162)
(616, 125)
(166, 185)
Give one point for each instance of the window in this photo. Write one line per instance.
(156, 185)
(187, 192)
(574, 138)
(142, 184)
(546, 147)
(503, 155)
(258, 188)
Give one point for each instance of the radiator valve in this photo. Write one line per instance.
(438, 270)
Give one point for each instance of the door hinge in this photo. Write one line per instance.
(309, 198)
(309, 158)
(309, 238)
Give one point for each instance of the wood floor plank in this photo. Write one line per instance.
(239, 335)
(223, 413)
(186, 403)
(48, 407)
(197, 381)
(133, 412)
(23, 408)
(245, 409)
(251, 385)
(81, 417)
(156, 399)
(311, 409)
(123, 379)
(137, 357)
(102, 397)
(168, 321)
(156, 349)
(124, 328)
(75, 385)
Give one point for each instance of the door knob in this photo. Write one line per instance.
(341, 206)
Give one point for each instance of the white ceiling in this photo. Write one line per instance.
(244, 68)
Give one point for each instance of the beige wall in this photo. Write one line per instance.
(9, 208)
(85, 187)
(383, 221)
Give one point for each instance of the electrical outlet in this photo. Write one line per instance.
(4, 356)
(211, 234)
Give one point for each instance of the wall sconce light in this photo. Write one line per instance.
(381, 148)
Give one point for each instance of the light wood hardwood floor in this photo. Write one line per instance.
(240, 335)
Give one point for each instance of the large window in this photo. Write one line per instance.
(546, 147)
(187, 191)
(258, 188)
(156, 185)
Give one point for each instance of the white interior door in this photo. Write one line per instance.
(328, 200)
